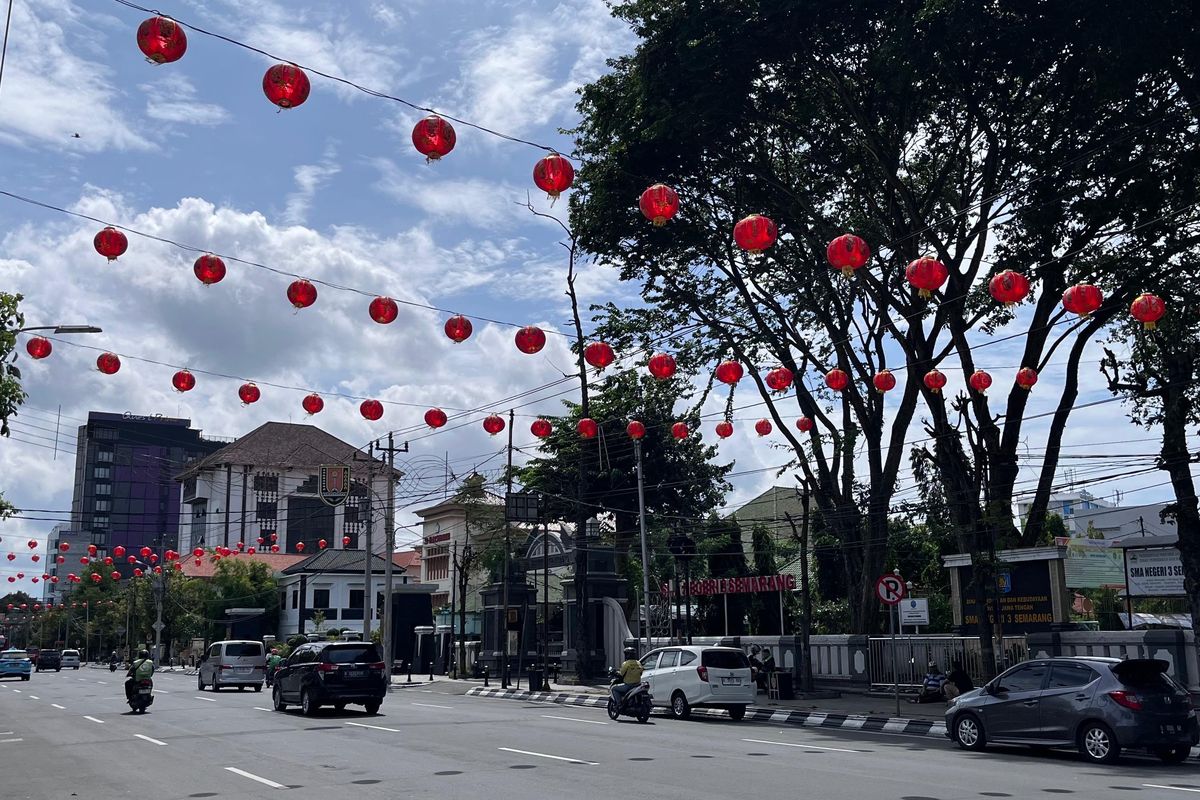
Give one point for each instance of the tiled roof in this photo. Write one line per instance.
(348, 561)
(285, 445)
(276, 561)
(410, 560)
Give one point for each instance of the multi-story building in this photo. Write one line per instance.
(56, 586)
(1066, 505)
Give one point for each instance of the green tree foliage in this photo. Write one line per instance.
(11, 393)
(720, 545)
(239, 583)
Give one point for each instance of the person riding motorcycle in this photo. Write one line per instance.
(630, 673)
(142, 669)
(273, 662)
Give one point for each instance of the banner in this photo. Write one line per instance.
(1153, 572)
(750, 584)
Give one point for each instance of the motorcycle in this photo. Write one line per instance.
(636, 702)
(141, 696)
(112, 666)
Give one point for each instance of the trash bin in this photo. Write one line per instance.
(780, 686)
(535, 680)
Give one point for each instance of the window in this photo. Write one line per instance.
(724, 659)
(243, 649)
(103, 488)
(266, 511)
(356, 598)
(102, 505)
(351, 654)
(669, 659)
(320, 598)
(104, 456)
(214, 651)
(295, 599)
(650, 661)
(266, 483)
(686, 657)
(1067, 676)
(100, 521)
(1023, 679)
(350, 515)
(105, 433)
(102, 472)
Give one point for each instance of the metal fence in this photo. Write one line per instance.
(913, 654)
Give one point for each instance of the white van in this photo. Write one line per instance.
(239, 663)
(682, 678)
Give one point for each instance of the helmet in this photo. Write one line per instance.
(630, 652)
(143, 653)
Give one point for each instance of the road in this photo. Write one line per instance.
(70, 734)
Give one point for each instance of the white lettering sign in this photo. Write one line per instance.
(1153, 572)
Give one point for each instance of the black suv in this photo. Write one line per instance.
(331, 674)
(49, 659)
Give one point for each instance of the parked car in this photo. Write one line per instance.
(32, 654)
(1101, 706)
(15, 662)
(49, 660)
(239, 663)
(70, 659)
(331, 673)
(683, 678)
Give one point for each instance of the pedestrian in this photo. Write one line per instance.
(931, 686)
(957, 682)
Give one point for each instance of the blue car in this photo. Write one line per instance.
(15, 662)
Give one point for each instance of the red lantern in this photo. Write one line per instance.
(980, 381)
(458, 328)
(274, 537)
(837, 379)
(1148, 309)
(725, 429)
(553, 175)
(108, 363)
(64, 547)
(92, 549)
(131, 559)
(198, 552)
(116, 576)
(199, 562)
(1009, 287)
(1082, 299)
(927, 274)
(680, 430)
(493, 424)
(146, 551)
(884, 381)
(110, 243)
(286, 86)
(371, 409)
(847, 253)
(1027, 377)
(312, 403)
(209, 269)
(161, 40)
(433, 137)
(729, 372)
(659, 203)
(61, 559)
(249, 393)
(11, 579)
(119, 551)
(541, 428)
(530, 339)
(301, 294)
(779, 379)
(32, 544)
(636, 429)
(804, 424)
(599, 354)
(299, 547)
(662, 366)
(763, 427)
(178, 567)
(38, 347)
(274, 548)
(82, 560)
(261, 541)
(435, 418)
(183, 381)
(587, 428)
(322, 544)
(384, 310)
(345, 541)
(755, 233)
(108, 561)
(12, 556)
(137, 572)
(935, 381)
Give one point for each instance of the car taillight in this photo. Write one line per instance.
(703, 673)
(1129, 700)
(379, 665)
(226, 666)
(327, 667)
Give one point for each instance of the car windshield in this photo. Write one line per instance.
(351, 654)
(242, 649)
(18, 654)
(724, 659)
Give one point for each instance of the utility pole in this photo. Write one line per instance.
(389, 521)
(545, 597)
(507, 551)
(368, 597)
(637, 453)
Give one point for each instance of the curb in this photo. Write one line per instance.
(807, 719)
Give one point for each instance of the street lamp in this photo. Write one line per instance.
(62, 329)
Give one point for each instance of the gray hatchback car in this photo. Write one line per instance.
(1099, 705)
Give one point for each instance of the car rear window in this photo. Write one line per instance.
(351, 654)
(724, 659)
(243, 649)
(1144, 674)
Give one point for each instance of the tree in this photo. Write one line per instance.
(910, 124)
(237, 583)
(720, 545)
(11, 393)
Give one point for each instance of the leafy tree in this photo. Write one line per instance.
(11, 394)
(720, 545)
(238, 583)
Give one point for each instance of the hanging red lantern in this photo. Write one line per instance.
(530, 339)
(599, 354)
(137, 572)
(209, 269)
(110, 243)
(312, 404)
(458, 328)
(837, 379)
(146, 551)
(927, 274)
(935, 381)
(82, 560)
(261, 541)
(274, 549)
(884, 381)
(804, 424)
(345, 541)
(755, 233)
(371, 409)
(286, 86)
(183, 381)
(435, 418)
(493, 424)
(198, 552)
(659, 203)
(1027, 377)
(1082, 299)
(250, 551)
(92, 549)
(848, 253)
(322, 544)
(119, 551)
(725, 429)
(161, 40)
(249, 393)
(61, 559)
(980, 381)
(32, 544)
(108, 561)
(64, 547)
(553, 175)
(12, 556)
(274, 537)
(299, 547)
(636, 429)
(1148, 309)
(178, 567)
(131, 560)
(108, 363)
(662, 366)
(301, 294)
(541, 428)
(587, 428)
(38, 347)
(433, 137)
(680, 430)
(116, 576)
(729, 372)
(779, 379)
(11, 579)
(384, 310)
(1009, 287)
(199, 562)
(763, 427)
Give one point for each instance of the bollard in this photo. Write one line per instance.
(485, 675)
(410, 671)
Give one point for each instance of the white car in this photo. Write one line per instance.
(70, 659)
(682, 678)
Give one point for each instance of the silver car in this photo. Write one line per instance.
(70, 659)
(237, 663)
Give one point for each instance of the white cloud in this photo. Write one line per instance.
(309, 178)
(173, 99)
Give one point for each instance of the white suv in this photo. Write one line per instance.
(70, 659)
(683, 677)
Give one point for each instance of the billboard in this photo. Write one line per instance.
(1153, 572)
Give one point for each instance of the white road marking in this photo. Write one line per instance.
(18, 691)
(254, 777)
(1176, 788)
(102, 683)
(260, 708)
(6, 733)
(10, 741)
(82, 680)
(429, 705)
(797, 744)
(373, 727)
(34, 697)
(159, 691)
(206, 699)
(60, 708)
(151, 741)
(547, 755)
(427, 691)
(93, 719)
(576, 719)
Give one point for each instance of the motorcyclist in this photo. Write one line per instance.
(630, 673)
(112, 662)
(142, 669)
(273, 662)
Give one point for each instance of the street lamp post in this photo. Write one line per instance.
(61, 329)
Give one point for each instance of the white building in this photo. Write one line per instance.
(1067, 505)
(1124, 522)
(331, 583)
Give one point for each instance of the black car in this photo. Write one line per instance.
(49, 659)
(331, 674)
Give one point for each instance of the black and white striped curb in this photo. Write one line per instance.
(773, 716)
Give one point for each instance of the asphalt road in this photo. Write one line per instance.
(70, 734)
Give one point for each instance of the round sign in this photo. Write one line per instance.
(890, 589)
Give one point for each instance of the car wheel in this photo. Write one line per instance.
(307, 706)
(1098, 744)
(737, 713)
(680, 708)
(1173, 755)
(24, 677)
(199, 684)
(372, 707)
(968, 732)
(277, 699)
(258, 687)
(339, 707)
(612, 709)
(58, 669)
(241, 688)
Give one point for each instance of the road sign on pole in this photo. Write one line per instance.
(890, 589)
(914, 611)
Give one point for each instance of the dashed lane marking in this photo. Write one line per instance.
(151, 741)
(576, 719)
(798, 744)
(373, 727)
(254, 777)
(60, 708)
(430, 705)
(206, 699)
(93, 719)
(548, 755)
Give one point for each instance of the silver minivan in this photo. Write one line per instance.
(239, 663)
